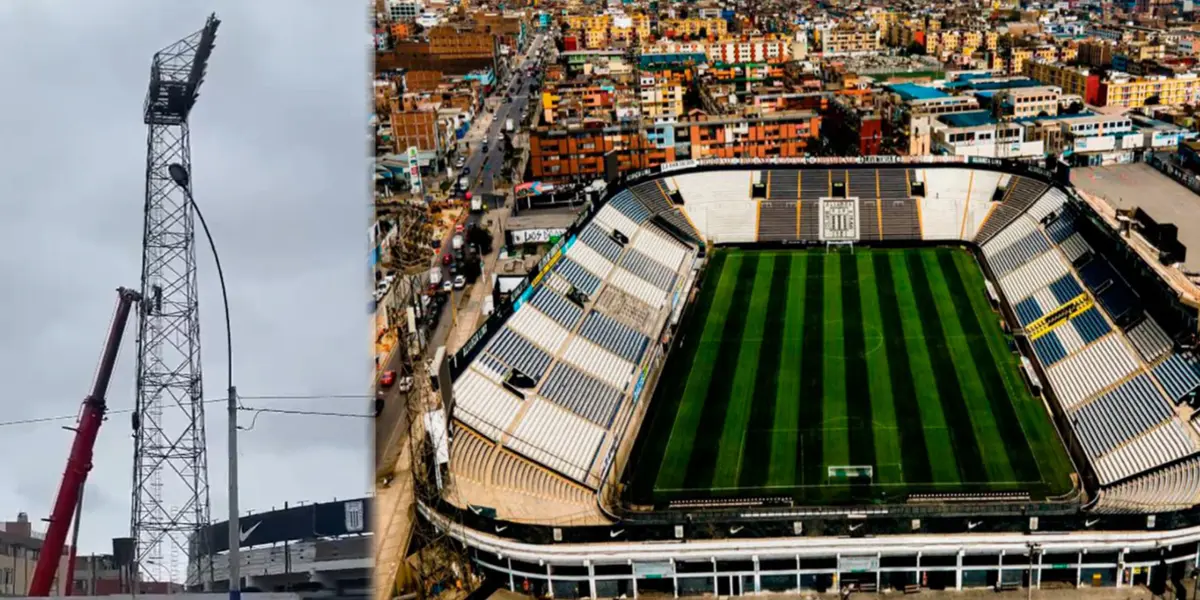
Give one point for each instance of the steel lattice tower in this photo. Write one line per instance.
(170, 471)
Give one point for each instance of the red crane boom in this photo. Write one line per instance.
(80, 460)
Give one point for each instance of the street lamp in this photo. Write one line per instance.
(179, 174)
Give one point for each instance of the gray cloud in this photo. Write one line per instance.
(280, 170)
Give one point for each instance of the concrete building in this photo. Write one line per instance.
(20, 548)
(1133, 92)
(850, 40)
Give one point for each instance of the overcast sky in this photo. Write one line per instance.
(280, 171)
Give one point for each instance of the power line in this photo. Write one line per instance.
(120, 411)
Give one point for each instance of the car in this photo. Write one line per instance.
(458, 228)
(379, 403)
(406, 384)
(460, 163)
(447, 286)
(460, 282)
(387, 378)
(446, 258)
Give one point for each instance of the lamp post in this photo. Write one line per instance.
(182, 178)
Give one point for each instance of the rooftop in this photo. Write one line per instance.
(972, 118)
(912, 91)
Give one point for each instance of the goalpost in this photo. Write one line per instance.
(851, 473)
(831, 245)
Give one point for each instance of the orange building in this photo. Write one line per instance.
(581, 151)
(774, 135)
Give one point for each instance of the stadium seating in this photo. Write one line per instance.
(899, 219)
(1176, 487)
(1112, 368)
(483, 404)
(815, 184)
(1020, 194)
(956, 201)
(777, 221)
(660, 247)
(782, 184)
(532, 324)
(557, 438)
(582, 394)
(719, 204)
(1149, 339)
(648, 269)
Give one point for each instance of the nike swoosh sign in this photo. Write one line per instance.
(245, 533)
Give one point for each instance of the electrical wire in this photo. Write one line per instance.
(292, 397)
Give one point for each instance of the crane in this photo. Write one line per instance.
(79, 462)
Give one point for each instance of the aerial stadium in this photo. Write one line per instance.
(738, 376)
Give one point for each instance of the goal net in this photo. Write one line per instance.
(851, 473)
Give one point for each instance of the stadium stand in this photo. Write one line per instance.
(579, 358)
(956, 201)
(782, 184)
(1019, 195)
(777, 221)
(1112, 368)
(720, 205)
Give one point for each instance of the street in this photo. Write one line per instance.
(388, 426)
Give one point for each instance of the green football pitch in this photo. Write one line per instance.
(795, 361)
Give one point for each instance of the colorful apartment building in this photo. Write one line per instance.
(850, 40)
(1134, 92)
(694, 28)
(771, 49)
(1076, 81)
(775, 135)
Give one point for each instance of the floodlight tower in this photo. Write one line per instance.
(170, 471)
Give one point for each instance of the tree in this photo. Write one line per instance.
(446, 185)
(915, 49)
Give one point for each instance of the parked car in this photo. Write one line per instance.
(460, 163)
(460, 282)
(447, 286)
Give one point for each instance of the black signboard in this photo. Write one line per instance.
(297, 523)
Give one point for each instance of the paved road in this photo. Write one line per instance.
(389, 422)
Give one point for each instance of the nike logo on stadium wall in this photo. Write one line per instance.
(1090, 522)
(613, 534)
(245, 533)
(855, 527)
(736, 530)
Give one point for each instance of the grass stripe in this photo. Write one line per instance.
(970, 379)
(889, 466)
(735, 430)
(694, 374)
(915, 456)
(966, 448)
(1053, 462)
(811, 414)
(836, 442)
(1016, 444)
(756, 461)
(858, 390)
(701, 467)
(664, 411)
(785, 440)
